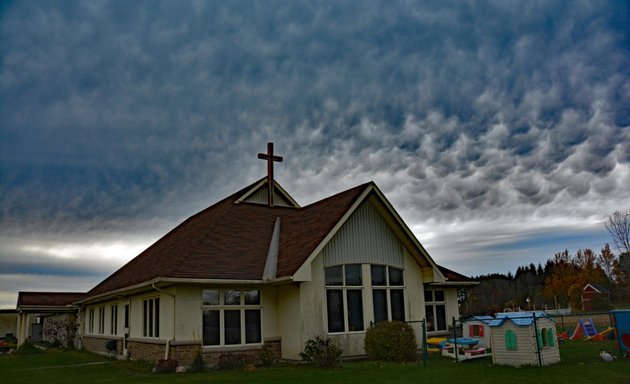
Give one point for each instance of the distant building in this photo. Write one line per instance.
(595, 297)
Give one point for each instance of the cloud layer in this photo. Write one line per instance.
(483, 122)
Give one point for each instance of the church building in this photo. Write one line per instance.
(257, 268)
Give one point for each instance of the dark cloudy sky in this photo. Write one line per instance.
(499, 130)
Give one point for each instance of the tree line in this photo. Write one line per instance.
(560, 282)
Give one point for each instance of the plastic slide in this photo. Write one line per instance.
(601, 336)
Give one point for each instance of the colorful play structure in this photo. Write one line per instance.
(621, 325)
(585, 330)
(526, 338)
(463, 348)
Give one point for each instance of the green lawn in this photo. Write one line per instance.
(580, 364)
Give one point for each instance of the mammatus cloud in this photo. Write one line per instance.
(126, 118)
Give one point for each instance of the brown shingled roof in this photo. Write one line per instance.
(230, 240)
(48, 299)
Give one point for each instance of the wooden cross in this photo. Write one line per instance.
(270, 159)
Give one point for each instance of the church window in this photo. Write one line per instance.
(101, 320)
(435, 310)
(231, 317)
(151, 317)
(91, 321)
(344, 298)
(113, 325)
(388, 299)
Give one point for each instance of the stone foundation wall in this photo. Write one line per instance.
(145, 350)
(182, 351)
(98, 344)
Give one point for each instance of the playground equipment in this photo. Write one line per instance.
(584, 329)
(601, 336)
(463, 348)
(435, 344)
(621, 323)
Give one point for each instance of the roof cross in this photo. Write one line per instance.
(270, 159)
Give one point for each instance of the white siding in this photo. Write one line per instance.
(364, 239)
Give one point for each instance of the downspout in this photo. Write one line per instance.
(167, 351)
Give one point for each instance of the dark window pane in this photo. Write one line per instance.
(334, 304)
(150, 323)
(210, 297)
(355, 309)
(440, 312)
(428, 296)
(397, 302)
(379, 298)
(157, 317)
(378, 275)
(334, 275)
(145, 317)
(429, 317)
(126, 315)
(395, 277)
(353, 274)
(252, 326)
(232, 323)
(211, 331)
(232, 297)
(252, 297)
(439, 295)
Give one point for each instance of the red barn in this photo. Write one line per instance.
(592, 294)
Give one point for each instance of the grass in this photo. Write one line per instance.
(580, 364)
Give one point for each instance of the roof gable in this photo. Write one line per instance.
(259, 191)
(390, 216)
(230, 240)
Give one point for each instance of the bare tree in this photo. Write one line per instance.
(618, 224)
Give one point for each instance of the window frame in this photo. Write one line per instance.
(91, 321)
(113, 325)
(345, 287)
(101, 320)
(389, 290)
(243, 308)
(433, 304)
(151, 317)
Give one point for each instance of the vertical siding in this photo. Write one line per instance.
(260, 196)
(365, 238)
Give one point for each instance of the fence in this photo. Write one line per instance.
(567, 323)
(514, 339)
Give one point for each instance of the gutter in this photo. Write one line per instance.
(175, 280)
(167, 350)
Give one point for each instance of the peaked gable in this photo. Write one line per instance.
(231, 240)
(259, 194)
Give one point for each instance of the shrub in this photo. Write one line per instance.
(391, 341)
(198, 365)
(28, 348)
(322, 352)
(267, 356)
(233, 361)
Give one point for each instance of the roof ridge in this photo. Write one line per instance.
(336, 195)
